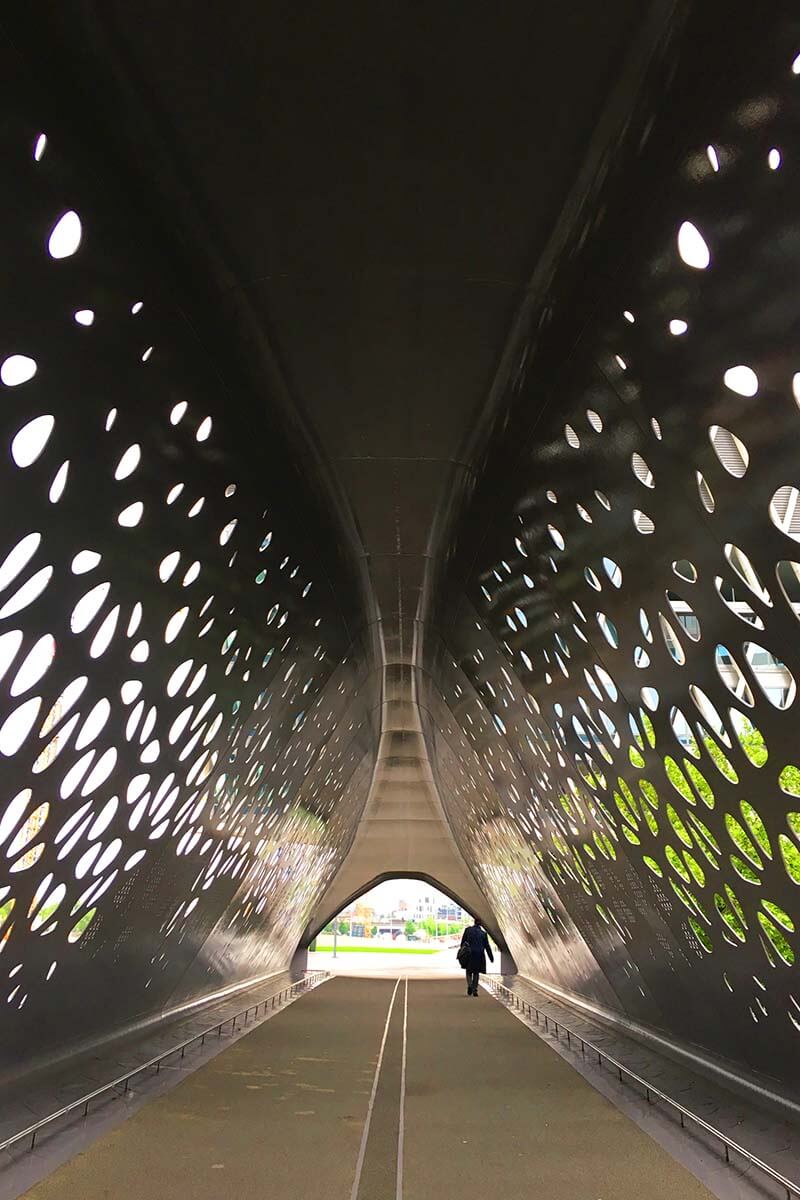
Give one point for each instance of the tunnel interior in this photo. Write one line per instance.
(400, 437)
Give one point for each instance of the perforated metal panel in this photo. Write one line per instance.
(619, 749)
(610, 713)
(182, 715)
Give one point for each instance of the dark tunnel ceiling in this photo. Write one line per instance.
(379, 189)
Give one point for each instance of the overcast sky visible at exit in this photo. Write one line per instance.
(389, 894)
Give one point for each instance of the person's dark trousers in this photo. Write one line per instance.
(472, 982)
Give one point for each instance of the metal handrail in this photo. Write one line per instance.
(792, 1189)
(124, 1080)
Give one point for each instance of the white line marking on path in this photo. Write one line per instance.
(362, 1150)
(401, 1127)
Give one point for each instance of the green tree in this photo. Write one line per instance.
(343, 927)
(411, 928)
(374, 931)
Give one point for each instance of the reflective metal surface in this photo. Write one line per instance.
(184, 722)
(529, 629)
(619, 742)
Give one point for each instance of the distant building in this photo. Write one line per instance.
(451, 912)
(430, 906)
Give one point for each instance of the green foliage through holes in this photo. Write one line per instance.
(744, 870)
(650, 820)
(649, 793)
(701, 783)
(676, 862)
(678, 780)
(756, 826)
(729, 916)
(705, 831)
(679, 827)
(742, 841)
(778, 914)
(695, 868)
(80, 927)
(779, 942)
(719, 759)
(701, 935)
(789, 780)
(791, 857)
(752, 742)
(626, 810)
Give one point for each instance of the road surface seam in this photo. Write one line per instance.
(362, 1150)
(401, 1124)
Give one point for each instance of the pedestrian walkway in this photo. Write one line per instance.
(379, 1089)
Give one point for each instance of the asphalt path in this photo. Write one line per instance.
(394, 1088)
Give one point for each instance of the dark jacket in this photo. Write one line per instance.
(478, 941)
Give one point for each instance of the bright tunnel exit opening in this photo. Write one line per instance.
(399, 925)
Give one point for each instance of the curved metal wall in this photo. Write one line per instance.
(185, 712)
(184, 723)
(618, 743)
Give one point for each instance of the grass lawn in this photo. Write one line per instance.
(377, 949)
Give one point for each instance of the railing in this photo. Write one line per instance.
(625, 1074)
(123, 1081)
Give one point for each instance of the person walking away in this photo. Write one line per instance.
(476, 941)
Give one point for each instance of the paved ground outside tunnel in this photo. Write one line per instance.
(379, 1089)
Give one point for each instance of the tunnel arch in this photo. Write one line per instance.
(318, 922)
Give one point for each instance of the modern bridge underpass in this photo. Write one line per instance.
(376, 1090)
(399, 444)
